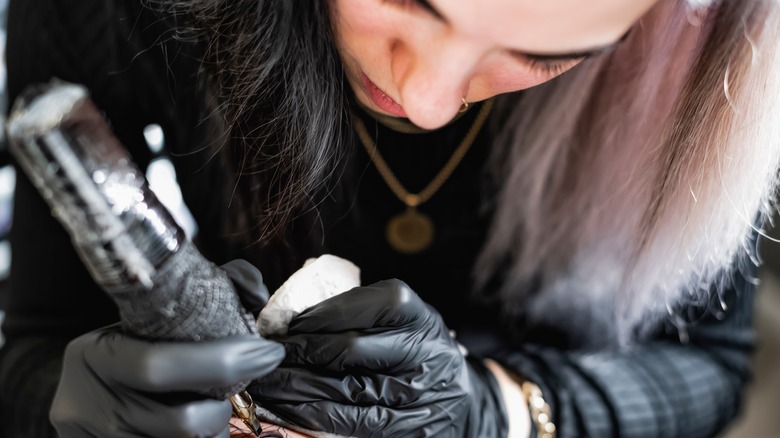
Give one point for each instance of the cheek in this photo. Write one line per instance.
(489, 82)
(500, 82)
(361, 26)
(364, 33)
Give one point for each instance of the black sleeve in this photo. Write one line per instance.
(138, 75)
(669, 386)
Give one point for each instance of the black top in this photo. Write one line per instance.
(139, 76)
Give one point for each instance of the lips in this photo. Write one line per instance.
(380, 99)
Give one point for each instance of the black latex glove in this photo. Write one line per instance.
(114, 385)
(378, 361)
(249, 284)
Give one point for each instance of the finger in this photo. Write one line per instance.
(302, 385)
(176, 366)
(388, 352)
(389, 303)
(205, 417)
(299, 385)
(134, 415)
(249, 284)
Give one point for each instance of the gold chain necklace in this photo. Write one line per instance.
(411, 231)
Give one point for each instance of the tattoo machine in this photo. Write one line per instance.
(130, 243)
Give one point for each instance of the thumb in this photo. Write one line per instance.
(249, 285)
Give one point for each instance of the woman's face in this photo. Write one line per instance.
(418, 59)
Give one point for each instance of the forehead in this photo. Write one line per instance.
(544, 25)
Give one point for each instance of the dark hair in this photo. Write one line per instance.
(277, 88)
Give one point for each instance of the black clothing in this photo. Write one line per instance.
(139, 76)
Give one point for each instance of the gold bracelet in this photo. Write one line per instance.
(539, 409)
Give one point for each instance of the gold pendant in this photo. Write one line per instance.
(410, 232)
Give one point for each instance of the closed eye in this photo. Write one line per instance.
(545, 66)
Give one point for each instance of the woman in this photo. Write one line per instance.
(578, 188)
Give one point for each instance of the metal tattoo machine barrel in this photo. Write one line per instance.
(131, 245)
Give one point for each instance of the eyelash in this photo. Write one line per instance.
(538, 66)
(548, 67)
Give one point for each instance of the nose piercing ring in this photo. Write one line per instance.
(464, 106)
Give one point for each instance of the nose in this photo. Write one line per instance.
(433, 78)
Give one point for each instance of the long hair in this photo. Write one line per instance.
(275, 82)
(638, 177)
(628, 182)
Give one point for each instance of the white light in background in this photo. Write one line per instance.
(162, 180)
(7, 182)
(154, 138)
(7, 179)
(5, 258)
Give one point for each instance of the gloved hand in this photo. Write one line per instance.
(248, 282)
(114, 385)
(378, 361)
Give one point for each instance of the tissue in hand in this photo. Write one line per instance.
(319, 279)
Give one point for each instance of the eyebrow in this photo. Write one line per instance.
(578, 54)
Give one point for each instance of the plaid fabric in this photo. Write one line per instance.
(660, 388)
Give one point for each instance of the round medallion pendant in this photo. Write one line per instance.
(410, 232)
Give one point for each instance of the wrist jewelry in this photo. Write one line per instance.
(539, 409)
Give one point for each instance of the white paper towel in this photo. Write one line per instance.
(319, 279)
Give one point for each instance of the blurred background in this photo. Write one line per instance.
(760, 417)
(7, 175)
